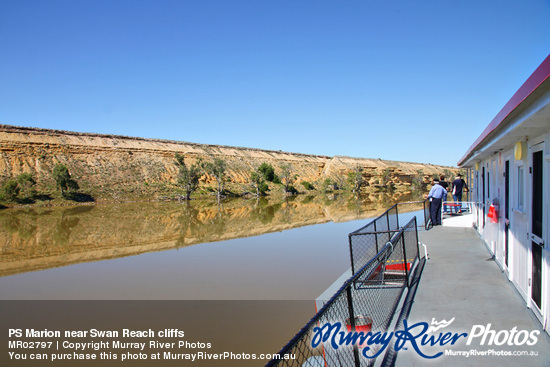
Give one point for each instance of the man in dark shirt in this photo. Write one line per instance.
(445, 185)
(457, 187)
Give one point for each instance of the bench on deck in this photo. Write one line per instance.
(451, 205)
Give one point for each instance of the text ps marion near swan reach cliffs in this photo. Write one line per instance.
(423, 338)
(95, 333)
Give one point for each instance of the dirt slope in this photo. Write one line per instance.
(117, 167)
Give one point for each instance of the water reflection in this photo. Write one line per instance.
(245, 271)
(41, 238)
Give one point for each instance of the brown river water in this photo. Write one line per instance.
(241, 275)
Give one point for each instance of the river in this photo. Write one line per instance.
(242, 275)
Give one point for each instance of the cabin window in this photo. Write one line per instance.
(521, 187)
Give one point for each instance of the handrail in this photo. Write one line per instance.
(366, 241)
(350, 281)
(385, 274)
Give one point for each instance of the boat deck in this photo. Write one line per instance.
(461, 281)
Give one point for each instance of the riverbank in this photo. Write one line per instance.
(173, 194)
(112, 168)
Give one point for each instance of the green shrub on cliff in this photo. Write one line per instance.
(307, 185)
(290, 189)
(18, 189)
(10, 190)
(63, 179)
(26, 184)
(268, 172)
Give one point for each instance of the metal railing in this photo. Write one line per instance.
(367, 301)
(418, 209)
(367, 241)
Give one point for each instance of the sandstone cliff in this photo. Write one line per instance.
(120, 167)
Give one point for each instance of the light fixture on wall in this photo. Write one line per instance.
(518, 151)
(477, 166)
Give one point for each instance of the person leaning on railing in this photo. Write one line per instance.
(458, 185)
(436, 195)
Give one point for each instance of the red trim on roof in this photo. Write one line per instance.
(537, 78)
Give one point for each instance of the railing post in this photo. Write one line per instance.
(416, 238)
(376, 237)
(426, 212)
(351, 255)
(352, 323)
(388, 218)
(397, 214)
(405, 258)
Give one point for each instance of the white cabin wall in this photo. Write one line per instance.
(519, 268)
(522, 129)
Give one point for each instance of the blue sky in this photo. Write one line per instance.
(400, 80)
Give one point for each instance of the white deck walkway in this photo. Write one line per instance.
(461, 281)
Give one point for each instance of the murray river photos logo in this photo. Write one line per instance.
(420, 337)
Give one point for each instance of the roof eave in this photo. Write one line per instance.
(541, 74)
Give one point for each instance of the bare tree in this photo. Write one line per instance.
(355, 179)
(217, 169)
(258, 181)
(287, 178)
(188, 177)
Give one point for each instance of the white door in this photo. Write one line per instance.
(537, 227)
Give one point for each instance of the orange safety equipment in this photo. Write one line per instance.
(493, 213)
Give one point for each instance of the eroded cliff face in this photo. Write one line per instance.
(113, 166)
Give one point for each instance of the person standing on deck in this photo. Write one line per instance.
(445, 185)
(436, 195)
(458, 185)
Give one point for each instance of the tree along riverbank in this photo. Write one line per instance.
(110, 168)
